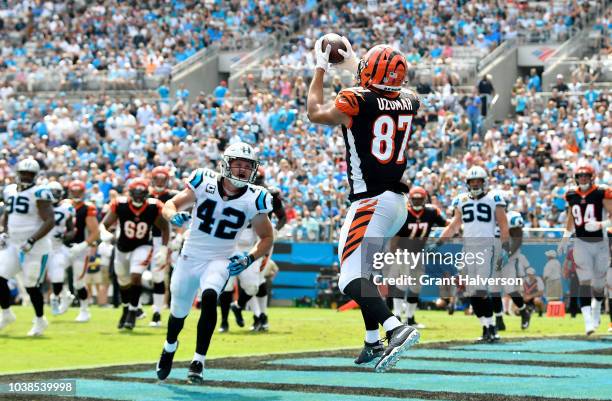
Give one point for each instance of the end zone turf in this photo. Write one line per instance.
(70, 345)
(546, 369)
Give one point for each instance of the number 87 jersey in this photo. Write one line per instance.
(376, 139)
(217, 218)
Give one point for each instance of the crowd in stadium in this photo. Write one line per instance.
(106, 142)
(122, 44)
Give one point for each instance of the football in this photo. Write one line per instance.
(336, 43)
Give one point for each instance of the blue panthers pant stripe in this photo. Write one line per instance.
(43, 268)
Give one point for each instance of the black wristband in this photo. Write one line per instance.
(31, 241)
(250, 259)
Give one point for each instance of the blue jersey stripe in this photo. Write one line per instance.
(197, 180)
(260, 201)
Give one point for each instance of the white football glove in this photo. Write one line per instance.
(562, 247)
(106, 236)
(594, 225)
(161, 256)
(351, 62)
(27, 246)
(177, 243)
(76, 249)
(321, 55)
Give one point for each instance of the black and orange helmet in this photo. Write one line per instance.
(76, 190)
(160, 177)
(138, 189)
(383, 68)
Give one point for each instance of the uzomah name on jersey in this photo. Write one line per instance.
(397, 104)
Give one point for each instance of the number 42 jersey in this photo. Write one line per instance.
(218, 218)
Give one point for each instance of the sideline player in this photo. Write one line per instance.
(24, 244)
(64, 230)
(515, 268)
(136, 215)
(589, 208)
(412, 236)
(82, 245)
(159, 190)
(376, 120)
(479, 210)
(222, 206)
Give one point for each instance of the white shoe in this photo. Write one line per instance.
(40, 324)
(66, 301)
(7, 318)
(590, 329)
(83, 316)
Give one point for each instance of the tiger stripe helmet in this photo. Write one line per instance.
(383, 68)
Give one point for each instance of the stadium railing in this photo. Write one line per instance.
(48, 80)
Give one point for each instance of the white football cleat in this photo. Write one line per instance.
(7, 318)
(66, 301)
(589, 329)
(83, 316)
(40, 324)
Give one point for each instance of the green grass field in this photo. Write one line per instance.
(69, 345)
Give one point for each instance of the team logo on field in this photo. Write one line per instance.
(210, 188)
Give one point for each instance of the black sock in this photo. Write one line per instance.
(477, 306)
(365, 293)
(126, 294)
(135, 290)
(262, 291)
(370, 322)
(159, 288)
(57, 288)
(37, 300)
(389, 302)
(5, 294)
(243, 298)
(517, 299)
(207, 322)
(175, 325)
(498, 306)
(225, 299)
(585, 295)
(610, 308)
(487, 307)
(413, 300)
(82, 294)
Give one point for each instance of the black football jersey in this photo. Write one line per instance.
(82, 211)
(588, 206)
(164, 197)
(135, 224)
(418, 225)
(376, 139)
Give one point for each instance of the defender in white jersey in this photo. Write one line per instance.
(478, 211)
(223, 205)
(63, 231)
(515, 268)
(24, 244)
